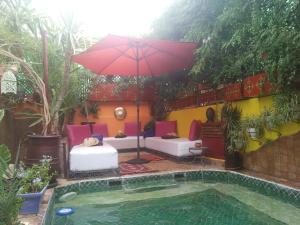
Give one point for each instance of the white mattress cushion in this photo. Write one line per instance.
(124, 143)
(84, 158)
(177, 147)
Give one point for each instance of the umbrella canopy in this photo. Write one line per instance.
(115, 55)
(127, 56)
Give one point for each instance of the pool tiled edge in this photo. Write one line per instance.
(268, 188)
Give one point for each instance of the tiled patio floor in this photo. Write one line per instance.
(175, 165)
(162, 165)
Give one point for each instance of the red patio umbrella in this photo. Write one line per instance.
(127, 56)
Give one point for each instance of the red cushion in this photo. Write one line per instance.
(194, 130)
(131, 128)
(77, 133)
(164, 127)
(100, 129)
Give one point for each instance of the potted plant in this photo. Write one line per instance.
(235, 140)
(87, 109)
(271, 121)
(90, 108)
(50, 104)
(254, 127)
(33, 184)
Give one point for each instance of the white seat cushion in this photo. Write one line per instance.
(178, 147)
(84, 158)
(124, 143)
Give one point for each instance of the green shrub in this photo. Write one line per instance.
(35, 178)
(9, 185)
(235, 138)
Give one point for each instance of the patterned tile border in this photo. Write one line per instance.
(265, 187)
(49, 212)
(268, 188)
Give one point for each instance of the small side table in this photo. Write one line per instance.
(198, 152)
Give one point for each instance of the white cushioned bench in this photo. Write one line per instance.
(94, 158)
(128, 142)
(178, 147)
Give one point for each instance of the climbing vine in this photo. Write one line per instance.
(238, 38)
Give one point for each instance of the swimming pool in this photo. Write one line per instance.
(195, 197)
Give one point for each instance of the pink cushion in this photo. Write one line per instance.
(164, 127)
(131, 129)
(194, 130)
(77, 133)
(100, 129)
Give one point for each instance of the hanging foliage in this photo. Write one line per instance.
(238, 38)
(20, 43)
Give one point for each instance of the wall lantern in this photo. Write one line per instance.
(8, 83)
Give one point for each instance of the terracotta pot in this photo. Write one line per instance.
(39, 145)
(233, 92)
(208, 96)
(184, 102)
(257, 85)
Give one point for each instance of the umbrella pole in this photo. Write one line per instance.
(138, 114)
(138, 159)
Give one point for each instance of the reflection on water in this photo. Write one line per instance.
(187, 203)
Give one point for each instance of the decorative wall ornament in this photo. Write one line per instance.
(8, 83)
(210, 114)
(257, 85)
(120, 113)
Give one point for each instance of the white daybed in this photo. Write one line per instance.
(94, 158)
(129, 142)
(178, 147)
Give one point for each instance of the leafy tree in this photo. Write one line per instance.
(20, 42)
(238, 38)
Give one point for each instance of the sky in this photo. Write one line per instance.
(101, 17)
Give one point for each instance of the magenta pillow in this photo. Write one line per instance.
(100, 129)
(162, 128)
(194, 130)
(131, 129)
(77, 133)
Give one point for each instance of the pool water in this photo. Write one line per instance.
(187, 202)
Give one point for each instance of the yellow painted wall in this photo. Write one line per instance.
(186, 116)
(250, 107)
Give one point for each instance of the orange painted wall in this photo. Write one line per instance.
(106, 115)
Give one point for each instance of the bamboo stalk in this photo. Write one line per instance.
(40, 85)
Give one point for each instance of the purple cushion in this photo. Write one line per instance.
(131, 128)
(98, 136)
(164, 127)
(194, 130)
(100, 129)
(77, 133)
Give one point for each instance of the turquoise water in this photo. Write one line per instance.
(184, 203)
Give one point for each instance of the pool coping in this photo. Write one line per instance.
(269, 188)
